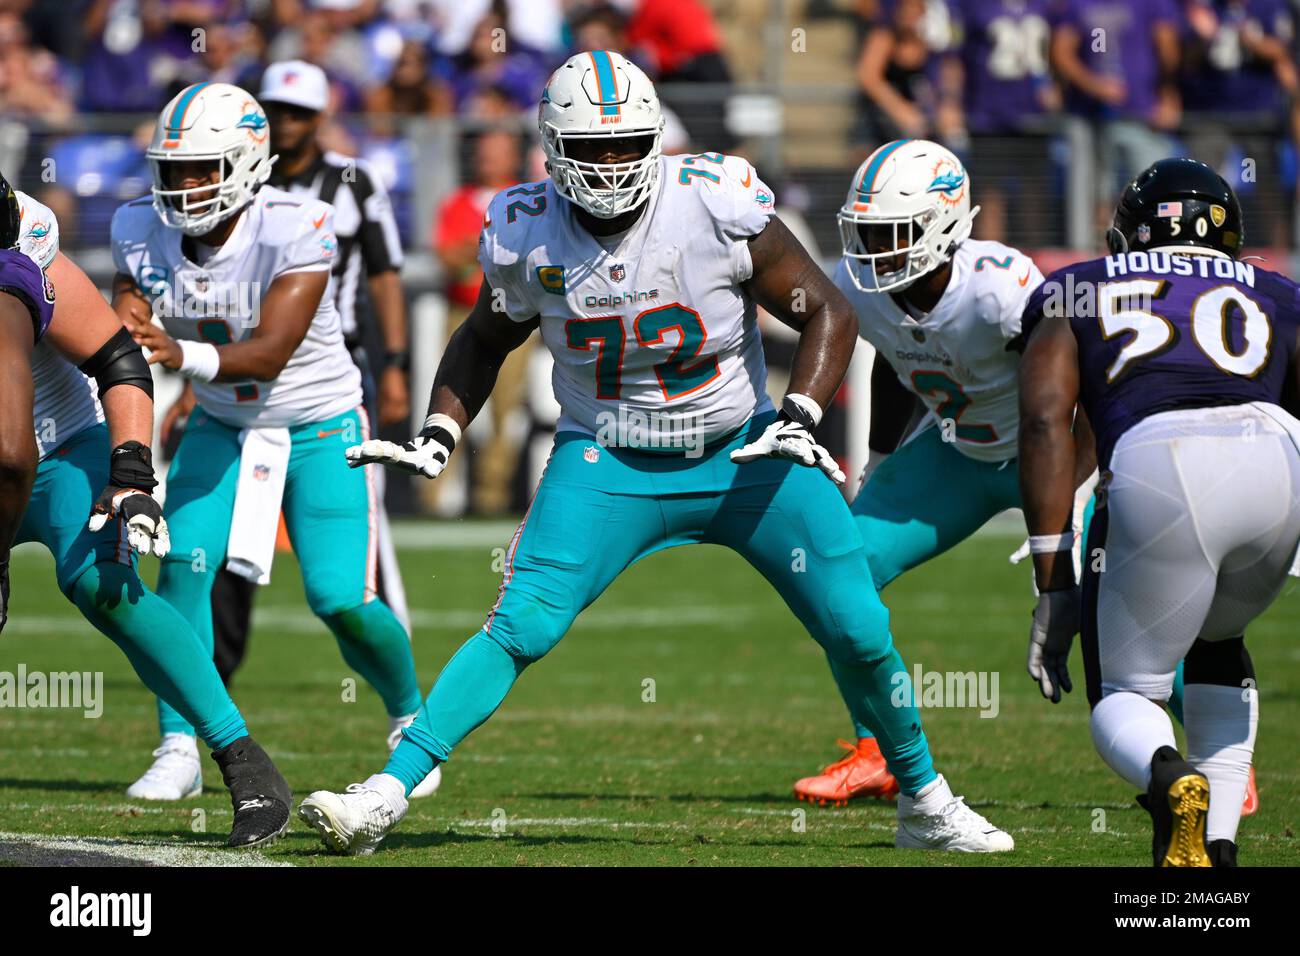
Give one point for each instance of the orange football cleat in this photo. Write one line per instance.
(862, 773)
(1251, 803)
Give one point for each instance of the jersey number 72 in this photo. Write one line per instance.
(683, 372)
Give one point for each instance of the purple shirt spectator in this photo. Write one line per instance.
(1004, 56)
(1116, 39)
(1222, 74)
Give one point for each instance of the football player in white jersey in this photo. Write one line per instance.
(239, 275)
(942, 312)
(92, 417)
(643, 272)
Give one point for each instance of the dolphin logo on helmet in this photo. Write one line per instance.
(214, 122)
(921, 192)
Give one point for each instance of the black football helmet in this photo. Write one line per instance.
(1177, 202)
(10, 216)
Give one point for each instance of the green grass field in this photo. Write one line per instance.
(576, 768)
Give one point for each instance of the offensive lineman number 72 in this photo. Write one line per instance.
(683, 372)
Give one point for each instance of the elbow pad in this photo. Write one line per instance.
(119, 361)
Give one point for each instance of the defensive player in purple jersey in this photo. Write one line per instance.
(1184, 360)
(26, 307)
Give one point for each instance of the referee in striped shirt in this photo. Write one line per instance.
(367, 287)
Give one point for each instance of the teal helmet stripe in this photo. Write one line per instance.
(606, 84)
(873, 168)
(174, 121)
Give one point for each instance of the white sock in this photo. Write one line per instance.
(392, 789)
(933, 797)
(181, 742)
(1220, 723)
(1127, 730)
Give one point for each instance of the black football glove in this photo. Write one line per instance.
(128, 496)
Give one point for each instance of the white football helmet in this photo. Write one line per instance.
(217, 122)
(599, 95)
(922, 191)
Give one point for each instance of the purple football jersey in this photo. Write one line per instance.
(1221, 75)
(1005, 59)
(1158, 332)
(1116, 38)
(21, 277)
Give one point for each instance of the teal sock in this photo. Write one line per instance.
(860, 729)
(879, 704)
(410, 763)
(164, 650)
(1176, 697)
(467, 692)
(376, 646)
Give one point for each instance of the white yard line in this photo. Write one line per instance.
(35, 849)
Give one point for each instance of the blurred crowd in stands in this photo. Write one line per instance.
(1216, 79)
(1213, 78)
(439, 97)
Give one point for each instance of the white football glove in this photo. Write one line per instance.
(790, 436)
(127, 497)
(1056, 621)
(425, 454)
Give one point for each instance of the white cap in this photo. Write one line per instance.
(295, 82)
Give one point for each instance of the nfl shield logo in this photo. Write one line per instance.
(1144, 233)
(918, 335)
(617, 272)
(591, 454)
(261, 472)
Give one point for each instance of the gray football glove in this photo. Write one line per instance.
(1056, 621)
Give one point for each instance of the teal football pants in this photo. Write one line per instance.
(330, 515)
(97, 572)
(598, 510)
(925, 498)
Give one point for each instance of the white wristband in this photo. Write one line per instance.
(1050, 543)
(808, 405)
(439, 420)
(199, 360)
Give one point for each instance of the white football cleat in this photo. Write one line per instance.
(936, 820)
(427, 786)
(176, 773)
(356, 821)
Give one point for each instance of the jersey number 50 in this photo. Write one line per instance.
(681, 374)
(1153, 334)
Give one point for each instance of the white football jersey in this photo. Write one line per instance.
(66, 402)
(955, 358)
(220, 302)
(656, 344)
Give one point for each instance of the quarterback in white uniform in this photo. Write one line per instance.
(239, 275)
(643, 273)
(86, 365)
(942, 312)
